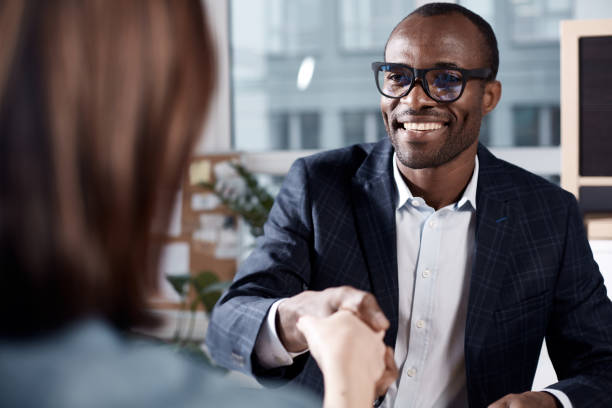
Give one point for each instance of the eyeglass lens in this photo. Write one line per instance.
(444, 84)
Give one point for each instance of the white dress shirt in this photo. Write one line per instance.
(434, 259)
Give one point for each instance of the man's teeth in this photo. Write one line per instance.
(422, 126)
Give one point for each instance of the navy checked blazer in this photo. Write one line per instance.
(533, 277)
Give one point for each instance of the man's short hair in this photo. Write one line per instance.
(441, 9)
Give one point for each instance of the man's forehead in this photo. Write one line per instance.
(446, 38)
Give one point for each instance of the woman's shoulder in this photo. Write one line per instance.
(92, 365)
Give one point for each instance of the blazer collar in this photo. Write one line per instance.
(373, 195)
(377, 164)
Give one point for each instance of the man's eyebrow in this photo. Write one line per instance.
(444, 64)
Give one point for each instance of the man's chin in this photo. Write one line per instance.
(417, 161)
(418, 156)
(429, 155)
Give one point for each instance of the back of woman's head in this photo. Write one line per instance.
(100, 104)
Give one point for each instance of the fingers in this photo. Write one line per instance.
(389, 375)
(527, 399)
(325, 303)
(362, 304)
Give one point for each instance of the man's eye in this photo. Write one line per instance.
(399, 78)
(447, 79)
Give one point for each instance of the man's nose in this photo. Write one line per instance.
(417, 99)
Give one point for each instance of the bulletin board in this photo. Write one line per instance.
(586, 129)
(203, 233)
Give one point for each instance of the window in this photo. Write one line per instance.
(365, 24)
(538, 20)
(330, 45)
(309, 130)
(291, 27)
(362, 126)
(485, 131)
(279, 131)
(536, 125)
(526, 123)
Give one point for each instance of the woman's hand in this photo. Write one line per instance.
(355, 362)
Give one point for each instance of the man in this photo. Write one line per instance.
(472, 261)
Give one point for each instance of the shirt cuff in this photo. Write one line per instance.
(268, 347)
(560, 395)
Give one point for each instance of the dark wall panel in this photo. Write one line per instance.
(596, 199)
(596, 106)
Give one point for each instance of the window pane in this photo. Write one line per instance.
(279, 130)
(362, 126)
(353, 127)
(365, 24)
(538, 20)
(485, 130)
(525, 126)
(309, 130)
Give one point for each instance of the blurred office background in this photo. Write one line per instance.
(295, 78)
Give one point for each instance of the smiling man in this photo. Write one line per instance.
(467, 262)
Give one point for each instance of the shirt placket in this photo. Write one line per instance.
(421, 319)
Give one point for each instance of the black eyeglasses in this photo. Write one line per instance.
(440, 84)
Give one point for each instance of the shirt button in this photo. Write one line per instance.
(411, 372)
(420, 324)
(415, 203)
(432, 224)
(426, 273)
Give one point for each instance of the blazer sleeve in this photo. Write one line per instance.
(579, 335)
(278, 267)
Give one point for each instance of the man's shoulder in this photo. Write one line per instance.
(353, 155)
(347, 161)
(509, 180)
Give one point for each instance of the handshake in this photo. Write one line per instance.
(343, 328)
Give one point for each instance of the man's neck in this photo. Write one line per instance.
(441, 186)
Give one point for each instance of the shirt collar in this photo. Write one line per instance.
(404, 194)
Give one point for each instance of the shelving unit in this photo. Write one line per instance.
(586, 125)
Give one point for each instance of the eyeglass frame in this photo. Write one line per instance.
(466, 75)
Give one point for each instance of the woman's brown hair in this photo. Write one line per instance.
(100, 105)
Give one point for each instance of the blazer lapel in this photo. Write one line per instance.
(495, 224)
(374, 196)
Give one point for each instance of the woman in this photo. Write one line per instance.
(101, 103)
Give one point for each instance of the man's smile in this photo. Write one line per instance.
(423, 125)
(419, 129)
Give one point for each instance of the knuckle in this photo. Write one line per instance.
(367, 297)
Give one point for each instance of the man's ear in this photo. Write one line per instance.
(491, 95)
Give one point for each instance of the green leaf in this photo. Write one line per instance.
(208, 288)
(203, 279)
(179, 282)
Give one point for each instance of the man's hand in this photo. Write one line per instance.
(322, 304)
(526, 400)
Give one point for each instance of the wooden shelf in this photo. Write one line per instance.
(599, 226)
(595, 181)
